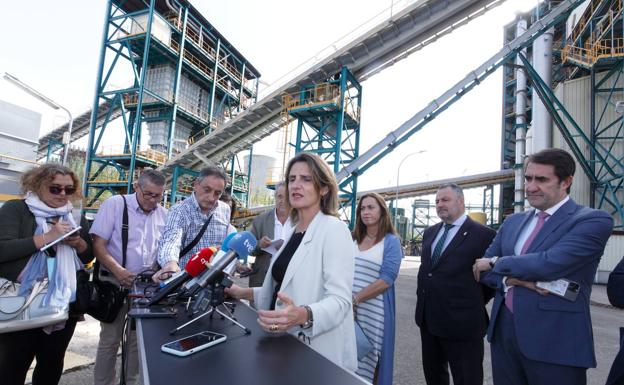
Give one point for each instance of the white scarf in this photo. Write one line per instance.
(62, 284)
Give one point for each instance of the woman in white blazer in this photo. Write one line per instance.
(307, 289)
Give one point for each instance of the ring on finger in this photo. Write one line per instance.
(274, 328)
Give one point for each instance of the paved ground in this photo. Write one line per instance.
(408, 367)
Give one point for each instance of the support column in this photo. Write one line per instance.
(541, 125)
(520, 124)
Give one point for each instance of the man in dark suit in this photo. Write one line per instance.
(538, 337)
(266, 227)
(450, 309)
(615, 290)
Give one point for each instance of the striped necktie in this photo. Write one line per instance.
(437, 252)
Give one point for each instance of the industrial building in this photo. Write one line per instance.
(192, 98)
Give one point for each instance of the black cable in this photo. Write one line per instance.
(124, 351)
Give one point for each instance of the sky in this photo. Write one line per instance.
(55, 46)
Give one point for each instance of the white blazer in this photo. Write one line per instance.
(320, 275)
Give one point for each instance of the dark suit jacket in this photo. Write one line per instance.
(451, 304)
(615, 287)
(263, 224)
(549, 328)
(615, 290)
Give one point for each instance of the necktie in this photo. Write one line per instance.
(437, 252)
(541, 219)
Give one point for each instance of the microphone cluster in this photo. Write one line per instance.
(208, 266)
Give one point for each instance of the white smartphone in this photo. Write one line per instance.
(191, 344)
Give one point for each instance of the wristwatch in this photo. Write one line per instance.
(310, 320)
(493, 261)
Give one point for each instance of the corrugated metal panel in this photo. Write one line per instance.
(575, 95)
(613, 253)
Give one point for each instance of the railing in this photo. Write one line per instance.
(323, 93)
(609, 48)
(111, 175)
(589, 55)
(588, 15)
(204, 46)
(3, 156)
(148, 154)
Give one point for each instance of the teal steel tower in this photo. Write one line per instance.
(168, 77)
(591, 52)
(328, 124)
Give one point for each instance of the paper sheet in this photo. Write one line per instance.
(274, 246)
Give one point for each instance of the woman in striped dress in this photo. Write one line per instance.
(376, 268)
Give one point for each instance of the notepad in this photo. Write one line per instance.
(57, 240)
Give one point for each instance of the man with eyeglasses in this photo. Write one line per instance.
(199, 221)
(146, 219)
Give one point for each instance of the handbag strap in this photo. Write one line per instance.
(38, 287)
(190, 246)
(124, 240)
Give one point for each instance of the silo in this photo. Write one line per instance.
(262, 169)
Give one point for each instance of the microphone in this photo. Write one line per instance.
(218, 255)
(193, 268)
(240, 245)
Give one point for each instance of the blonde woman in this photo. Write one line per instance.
(308, 285)
(26, 225)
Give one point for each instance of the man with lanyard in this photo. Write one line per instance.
(146, 218)
(198, 222)
(268, 227)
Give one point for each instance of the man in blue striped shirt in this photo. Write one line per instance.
(186, 219)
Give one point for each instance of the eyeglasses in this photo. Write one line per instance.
(150, 195)
(56, 190)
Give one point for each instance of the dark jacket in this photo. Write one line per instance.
(17, 227)
(450, 302)
(615, 287)
(615, 290)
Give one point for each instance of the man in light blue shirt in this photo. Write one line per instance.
(186, 219)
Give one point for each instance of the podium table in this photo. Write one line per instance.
(259, 358)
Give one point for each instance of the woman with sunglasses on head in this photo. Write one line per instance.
(307, 289)
(376, 269)
(26, 226)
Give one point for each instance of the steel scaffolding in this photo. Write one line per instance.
(183, 79)
(328, 124)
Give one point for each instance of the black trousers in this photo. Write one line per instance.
(465, 358)
(18, 349)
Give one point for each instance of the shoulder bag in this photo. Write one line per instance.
(104, 299)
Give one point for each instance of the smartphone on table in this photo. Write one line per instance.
(194, 343)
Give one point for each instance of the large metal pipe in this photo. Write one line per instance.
(521, 123)
(541, 125)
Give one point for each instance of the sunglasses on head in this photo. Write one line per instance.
(56, 190)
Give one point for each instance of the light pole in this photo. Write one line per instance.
(396, 197)
(38, 95)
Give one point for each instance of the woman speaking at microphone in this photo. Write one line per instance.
(308, 289)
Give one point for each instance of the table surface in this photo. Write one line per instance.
(258, 358)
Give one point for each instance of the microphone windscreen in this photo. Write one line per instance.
(198, 262)
(242, 244)
(225, 246)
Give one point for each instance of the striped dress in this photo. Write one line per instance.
(370, 313)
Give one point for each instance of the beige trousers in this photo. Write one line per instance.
(104, 372)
